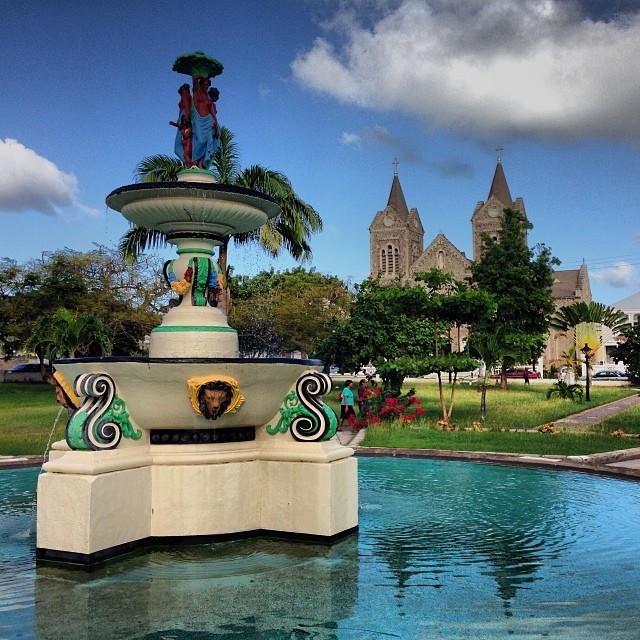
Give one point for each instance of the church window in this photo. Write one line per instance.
(441, 260)
(389, 260)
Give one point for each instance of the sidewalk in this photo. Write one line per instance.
(589, 417)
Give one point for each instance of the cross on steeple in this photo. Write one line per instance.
(499, 150)
(395, 166)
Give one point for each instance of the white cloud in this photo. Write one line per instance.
(349, 138)
(490, 68)
(33, 183)
(621, 275)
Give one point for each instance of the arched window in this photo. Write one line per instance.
(441, 260)
(383, 261)
(396, 260)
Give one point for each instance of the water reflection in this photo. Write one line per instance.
(468, 519)
(449, 550)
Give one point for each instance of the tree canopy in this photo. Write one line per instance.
(278, 313)
(126, 299)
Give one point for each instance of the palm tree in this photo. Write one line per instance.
(289, 230)
(588, 313)
(67, 334)
(571, 316)
(491, 349)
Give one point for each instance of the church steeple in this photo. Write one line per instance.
(499, 186)
(396, 197)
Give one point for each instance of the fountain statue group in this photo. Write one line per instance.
(140, 462)
(198, 134)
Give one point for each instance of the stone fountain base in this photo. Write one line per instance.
(236, 476)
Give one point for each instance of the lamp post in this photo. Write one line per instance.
(586, 350)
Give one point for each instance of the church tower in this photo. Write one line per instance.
(396, 236)
(487, 216)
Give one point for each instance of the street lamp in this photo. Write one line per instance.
(586, 350)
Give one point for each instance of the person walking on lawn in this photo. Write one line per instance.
(346, 405)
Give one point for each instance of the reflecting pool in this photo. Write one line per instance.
(445, 550)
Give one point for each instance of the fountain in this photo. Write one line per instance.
(193, 443)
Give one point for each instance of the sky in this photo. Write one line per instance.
(330, 92)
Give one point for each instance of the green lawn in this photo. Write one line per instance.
(562, 443)
(28, 413)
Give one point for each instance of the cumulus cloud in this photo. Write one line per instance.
(545, 68)
(33, 183)
(620, 275)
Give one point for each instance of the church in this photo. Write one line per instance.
(397, 251)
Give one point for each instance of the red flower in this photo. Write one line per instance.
(414, 400)
(420, 411)
(392, 402)
(384, 410)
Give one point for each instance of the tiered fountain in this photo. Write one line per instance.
(193, 443)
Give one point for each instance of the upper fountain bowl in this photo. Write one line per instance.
(194, 206)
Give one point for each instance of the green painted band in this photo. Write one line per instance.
(192, 328)
(207, 252)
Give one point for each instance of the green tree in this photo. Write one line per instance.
(127, 299)
(289, 230)
(281, 312)
(491, 348)
(404, 330)
(67, 334)
(629, 352)
(520, 280)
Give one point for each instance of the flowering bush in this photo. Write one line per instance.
(385, 408)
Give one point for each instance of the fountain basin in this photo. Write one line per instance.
(156, 390)
(193, 209)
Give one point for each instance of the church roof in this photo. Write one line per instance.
(500, 188)
(571, 283)
(396, 199)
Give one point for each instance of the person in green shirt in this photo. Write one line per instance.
(346, 405)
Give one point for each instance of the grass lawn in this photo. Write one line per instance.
(28, 413)
(628, 421)
(567, 443)
(520, 407)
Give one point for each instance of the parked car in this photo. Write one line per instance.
(610, 374)
(518, 372)
(24, 372)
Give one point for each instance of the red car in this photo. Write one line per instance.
(518, 372)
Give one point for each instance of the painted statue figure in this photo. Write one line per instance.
(183, 143)
(199, 133)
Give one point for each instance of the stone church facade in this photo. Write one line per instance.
(397, 252)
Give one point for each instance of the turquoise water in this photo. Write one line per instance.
(445, 550)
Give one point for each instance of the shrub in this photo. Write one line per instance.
(565, 391)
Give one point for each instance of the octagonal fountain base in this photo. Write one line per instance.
(166, 474)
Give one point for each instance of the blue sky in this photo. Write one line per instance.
(330, 92)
